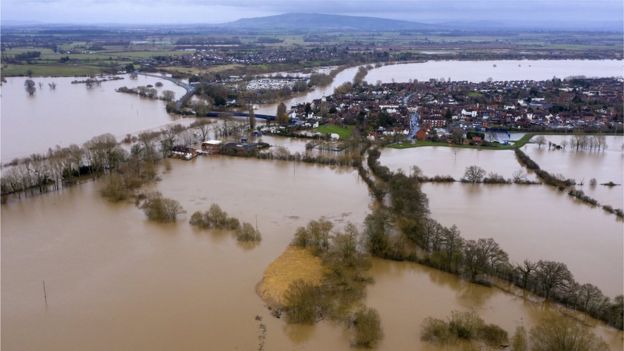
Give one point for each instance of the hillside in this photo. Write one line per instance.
(322, 22)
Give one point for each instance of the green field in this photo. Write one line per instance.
(344, 132)
(81, 64)
(49, 70)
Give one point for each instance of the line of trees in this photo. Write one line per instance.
(562, 184)
(216, 218)
(100, 155)
(402, 221)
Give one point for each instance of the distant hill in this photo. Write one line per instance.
(322, 22)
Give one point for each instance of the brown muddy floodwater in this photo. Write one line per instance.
(118, 282)
(528, 221)
(441, 160)
(71, 113)
(605, 166)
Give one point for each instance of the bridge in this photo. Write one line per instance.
(190, 89)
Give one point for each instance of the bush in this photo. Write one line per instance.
(115, 189)
(247, 233)
(466, 326)
(436, 331)
(367, 327)
(493, 335)
(214, 218)
(519, 340)
(554, 334)
(303, 303)
(160, 209)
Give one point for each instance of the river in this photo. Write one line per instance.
(116, 281)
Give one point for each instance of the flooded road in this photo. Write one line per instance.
(71, 113)
(117, 281)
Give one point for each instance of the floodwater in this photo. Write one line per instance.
(605, 166)
(500, 70)
(536, 222)
(71, 113)
(116, 281)
(441, 160)
(317, 93)
(528, 221)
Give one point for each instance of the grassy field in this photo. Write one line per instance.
(48, 64)
(49, 70)
(292, 265)
(344, 132)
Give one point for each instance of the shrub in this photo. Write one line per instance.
(519, 340)
(115, 189)
(303, 303)
(553, 334)
(436, 331)
(466, 326)
(367, 327)
(160, 209)
(493, 335)
(247, 233)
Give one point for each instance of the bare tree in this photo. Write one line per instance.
(474, 174)
(552, 276)
(203, 127)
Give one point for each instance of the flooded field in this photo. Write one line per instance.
(451, 161)
(536, 222)
(583, 165)
(116, 281)
(71, 113)
(500, 70)
(342, 77)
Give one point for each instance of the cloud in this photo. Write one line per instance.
(216, 11)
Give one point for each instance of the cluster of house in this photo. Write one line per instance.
(441, 106)
(201, 56)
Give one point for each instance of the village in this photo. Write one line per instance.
(440, 110)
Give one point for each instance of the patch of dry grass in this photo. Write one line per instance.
(294, 264)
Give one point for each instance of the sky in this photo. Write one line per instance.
(538, 13)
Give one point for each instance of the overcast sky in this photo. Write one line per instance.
(517, 12)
